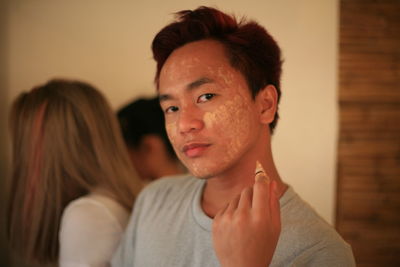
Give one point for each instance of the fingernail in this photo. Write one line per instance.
(259, 168)
(260, 175)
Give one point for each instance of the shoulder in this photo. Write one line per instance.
(175, 181)
(167, 196)
(85, 213)
(91, 227)
(298, 217)
(307, 235)
(170, 186)
(166, 193)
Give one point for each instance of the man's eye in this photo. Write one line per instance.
(171, 109)
(205, 97)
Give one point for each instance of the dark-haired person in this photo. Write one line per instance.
(219, 86)
(143, 129)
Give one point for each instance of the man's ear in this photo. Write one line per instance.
(267, 99)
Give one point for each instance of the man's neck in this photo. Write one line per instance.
(218, 192)
(221, 189)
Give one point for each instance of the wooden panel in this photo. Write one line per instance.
(362, 118)
(369, 51)
(368, 191)
(370, 78)
(372, 245)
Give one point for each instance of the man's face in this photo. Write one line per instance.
(211, 118)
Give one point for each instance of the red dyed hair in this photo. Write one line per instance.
(34, 162)
(250, 48)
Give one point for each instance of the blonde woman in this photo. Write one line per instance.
(72, 184)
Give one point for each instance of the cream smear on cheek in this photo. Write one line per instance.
(231, 120)
(230, 124)
(170, 127)
(176, 71)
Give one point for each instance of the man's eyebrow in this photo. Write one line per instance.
(164, 97)
(198, 83)
(193, 85)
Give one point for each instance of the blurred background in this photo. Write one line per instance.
(338, 140)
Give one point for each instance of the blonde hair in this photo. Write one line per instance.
(65, 142)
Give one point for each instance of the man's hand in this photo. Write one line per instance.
(246, 232)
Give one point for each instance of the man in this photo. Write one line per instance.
(218, 83)
(143, 129)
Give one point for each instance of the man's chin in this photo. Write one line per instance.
(205, 169)
(203, 175)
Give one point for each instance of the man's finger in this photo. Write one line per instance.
(245, 199)
(261, 193)
(221, 211)
(233, 205)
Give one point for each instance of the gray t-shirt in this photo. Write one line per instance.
(169, 228)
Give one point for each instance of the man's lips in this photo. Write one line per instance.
(193, 150)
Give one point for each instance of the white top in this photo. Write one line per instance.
(91, 227)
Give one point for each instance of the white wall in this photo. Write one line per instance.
(107, 43)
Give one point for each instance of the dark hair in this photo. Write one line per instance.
(143, 117)
(249, 47)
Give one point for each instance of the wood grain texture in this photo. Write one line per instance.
(368, 190)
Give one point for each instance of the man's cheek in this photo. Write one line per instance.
(171, 131)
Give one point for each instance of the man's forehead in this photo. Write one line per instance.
(177, 68)
(191, 75)
(189, 72)
(195, 63)
(182, 61)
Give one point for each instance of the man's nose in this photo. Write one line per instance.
(190, 120)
